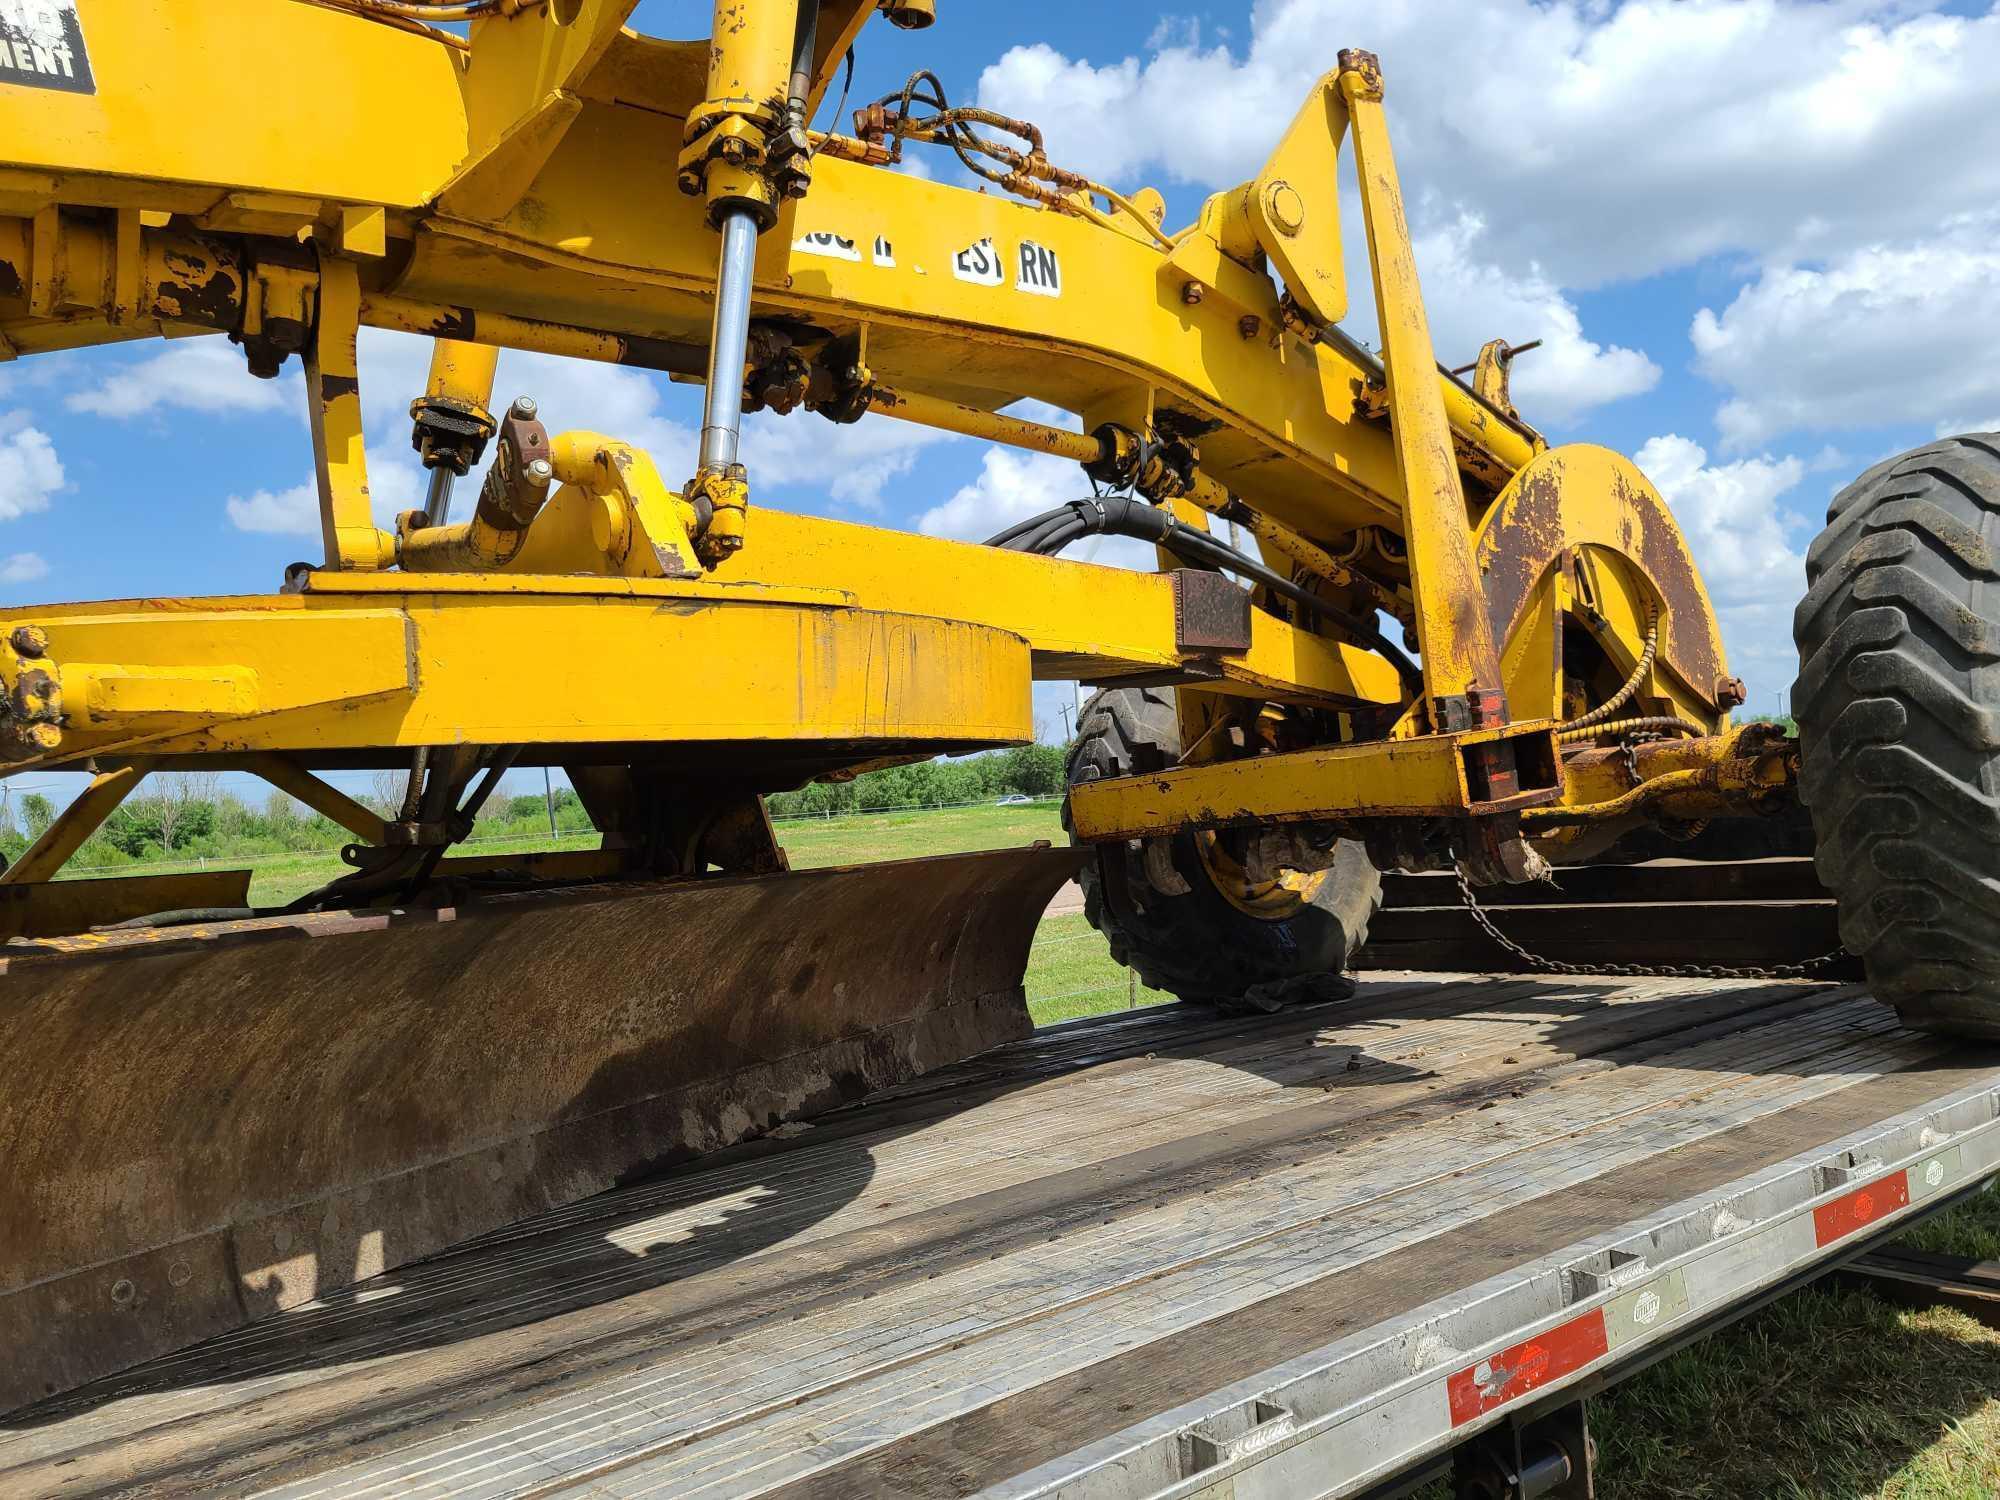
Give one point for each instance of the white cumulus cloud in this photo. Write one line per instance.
(1743, 542)
(1546, 145)
(1012, 486)
(206, 375)
(31, 475)
(395, 483)
(1602, 140)
(1888, 333)
(290, 512)
(1470, 300)
(23, 567)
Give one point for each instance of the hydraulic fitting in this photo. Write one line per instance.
(721, 500)
(450, 423)
(1161, 469)
(745, 144)
(510, 497)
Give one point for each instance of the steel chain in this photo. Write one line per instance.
(1799, 970)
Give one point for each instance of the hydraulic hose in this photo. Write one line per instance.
(1127, 515)
(1624, 694)
(1649, 724)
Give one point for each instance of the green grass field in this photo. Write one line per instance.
(812, 843)
(1825, 1395)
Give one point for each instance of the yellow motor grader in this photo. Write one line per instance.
(1444, 643)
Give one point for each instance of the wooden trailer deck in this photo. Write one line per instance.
(1130, 1255)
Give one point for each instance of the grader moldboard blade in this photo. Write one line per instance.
(202, 1126)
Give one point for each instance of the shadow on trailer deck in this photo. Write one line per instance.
(989, 1270)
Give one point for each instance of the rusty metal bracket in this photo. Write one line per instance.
(1211, 614)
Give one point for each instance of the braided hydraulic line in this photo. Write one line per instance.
(1651, 723)
(1624, 694)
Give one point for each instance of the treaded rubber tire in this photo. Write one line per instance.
(1197, 945)
(1898, 703)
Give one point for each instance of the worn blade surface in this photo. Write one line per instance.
(202, 1126)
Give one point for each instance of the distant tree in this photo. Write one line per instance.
(386, 795)
(232, 817)
(281, 812)
(37, 812)
(140, 826)
(1034, 770)
(176, 799)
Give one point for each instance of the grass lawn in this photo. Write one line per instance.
(1825, 1395)
(1071, 973)
(860, 838)
(811, 843)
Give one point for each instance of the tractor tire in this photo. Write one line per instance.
(1898, 704)
(1158, 904)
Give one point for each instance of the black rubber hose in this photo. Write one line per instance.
(1127, 515)
(1052, 535)
(1224, 556)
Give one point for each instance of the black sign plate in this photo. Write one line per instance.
(41, 46)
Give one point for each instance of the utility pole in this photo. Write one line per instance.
(549, 800)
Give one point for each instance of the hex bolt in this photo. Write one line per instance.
(1191, 292)
(523, 409)
(1248, 325)
(540, 472)
(29, 640)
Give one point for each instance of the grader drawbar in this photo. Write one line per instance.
(1392, 628)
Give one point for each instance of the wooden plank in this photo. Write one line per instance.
(582, 1305)
(1018, 1432)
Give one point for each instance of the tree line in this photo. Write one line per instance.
(1026, 771)
(190, 815)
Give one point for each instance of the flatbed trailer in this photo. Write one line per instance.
(1160, 1252)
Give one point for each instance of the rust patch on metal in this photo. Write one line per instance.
(1531, 525)
(1520, 543)
(456, 323)
(203, 284)
(1211, 614)
(204, 1126)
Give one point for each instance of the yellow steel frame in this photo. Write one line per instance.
(495, 204)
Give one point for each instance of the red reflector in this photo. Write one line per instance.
(1501, 1377)
(1863, 1206)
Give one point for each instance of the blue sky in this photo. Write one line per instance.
(1757, 236)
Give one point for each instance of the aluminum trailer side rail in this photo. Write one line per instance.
(1159, 1253)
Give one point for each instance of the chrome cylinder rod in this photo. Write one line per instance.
(437, 500)
(722, 412)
